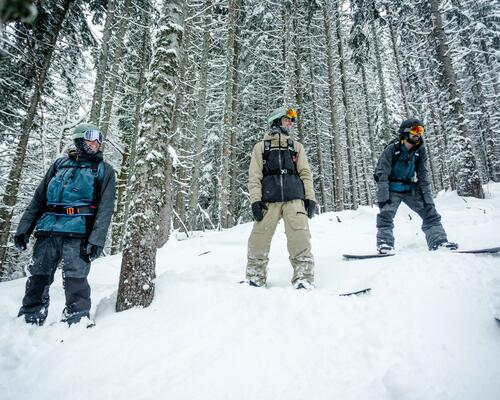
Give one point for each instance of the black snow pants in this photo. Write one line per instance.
(48, 253)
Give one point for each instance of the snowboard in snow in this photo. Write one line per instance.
(488, 250)
(365, 256)
(356, 293)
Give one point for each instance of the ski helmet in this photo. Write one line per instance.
(409, 123)
(84, 132)
(275, 117)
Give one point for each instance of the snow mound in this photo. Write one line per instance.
(425, 331)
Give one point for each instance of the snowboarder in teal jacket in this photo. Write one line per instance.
(402, 176)
(70, 213)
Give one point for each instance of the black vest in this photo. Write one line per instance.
(281, 181)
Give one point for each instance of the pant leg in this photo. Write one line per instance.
(76, 267)
(46, 256)
(385, 220)
(431, 220)
(259, 244)
(298, 241)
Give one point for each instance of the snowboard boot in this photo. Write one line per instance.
(446, 246)
(249, 282)
(303, 284)
(384, 248)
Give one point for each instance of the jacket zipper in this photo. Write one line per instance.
(281, 168)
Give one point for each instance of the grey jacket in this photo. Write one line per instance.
(383, 171)
(105, 207)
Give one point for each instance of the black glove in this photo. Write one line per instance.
(257, 210)
(310, 206)
(94, 251)
(381, 204)
(21, 241)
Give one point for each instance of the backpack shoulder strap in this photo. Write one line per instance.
(97, 181)
(397, 151)
(267, 149)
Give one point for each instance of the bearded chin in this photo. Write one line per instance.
(87, 149)
(414, 140)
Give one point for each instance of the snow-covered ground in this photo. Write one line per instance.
(426, 330)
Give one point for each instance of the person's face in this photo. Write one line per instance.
(286, 122)
(93, 145)
(414, 139)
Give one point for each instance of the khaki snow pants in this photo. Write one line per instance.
(298, 242)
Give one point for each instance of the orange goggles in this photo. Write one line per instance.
(292, 114)
(417, 130)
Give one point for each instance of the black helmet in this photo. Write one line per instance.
(408, 123)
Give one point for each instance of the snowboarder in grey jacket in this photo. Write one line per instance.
(402, 176)
(70, 213)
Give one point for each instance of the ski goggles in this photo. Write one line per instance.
(291, 114)
(93, 135)
(416, 130)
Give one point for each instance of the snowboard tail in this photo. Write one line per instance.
(365, 256)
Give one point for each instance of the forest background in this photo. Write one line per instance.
(182, 91)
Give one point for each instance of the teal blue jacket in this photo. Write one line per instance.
(70, 183)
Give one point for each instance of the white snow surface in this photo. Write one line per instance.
(426, 330)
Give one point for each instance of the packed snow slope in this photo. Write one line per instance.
(426, 330)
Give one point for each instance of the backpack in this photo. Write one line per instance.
(397, 154)
(265, 158)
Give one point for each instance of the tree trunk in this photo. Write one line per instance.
(234, 124)
(117, 61)
(13, 182)
(468, 180)
(128, 160)
(200, 119)
(321, 174)
(137, 277)
(395, 51)
(369, 113)
(224, 181)
(299, 98)
(347, 116)
(338, 184)
(95, 111)
(386, 128)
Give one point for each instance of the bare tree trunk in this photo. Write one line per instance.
(14, 180)
(224, 181)
(338, 184)
(234, 124)
(321, 174)
(299, 98)
(137, 276)
(469, 182)
(181, 125)
(95, 111)
(117, 61)
(200, 119)
(398, 67)
(386, 129)
(347, 116)
(369, 113)
(494, 76)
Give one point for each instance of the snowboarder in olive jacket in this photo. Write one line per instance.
(402, 176)
(70, 213)
(280, 186)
